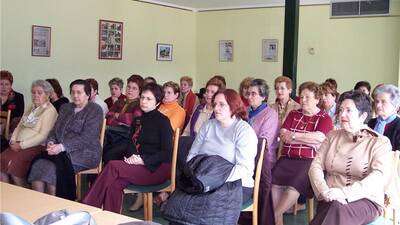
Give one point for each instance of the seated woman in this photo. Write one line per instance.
(73, 145)
(203, 112)
(94, 95)
(349, 172)
(116, 86)
(328, 99)
(265, 122)
(363, 86)
(57, 98)
(187, 98)
(150, 146)
(119, 120)
(10, 100)
(170, 106)
(387, 102)
(283, 103)
(244, 90)
(30, 134)
(231, 137)
(302, 133)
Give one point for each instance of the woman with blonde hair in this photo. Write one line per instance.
(29, 136)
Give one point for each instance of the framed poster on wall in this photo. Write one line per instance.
(41, 41)
(269, 50)
(226, 50)
(110, 39)
(164, 52)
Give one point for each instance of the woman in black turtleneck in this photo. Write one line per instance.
(150, 161)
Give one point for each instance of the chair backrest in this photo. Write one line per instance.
(174, 159)
(102, 132)
(261, 149)
(6, 115)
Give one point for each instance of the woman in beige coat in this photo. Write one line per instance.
(355, 161)
(31, 132)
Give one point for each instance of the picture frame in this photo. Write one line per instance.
(269, 52)
(226, 50)
(41, 41)
(164, 52)
(111, 35)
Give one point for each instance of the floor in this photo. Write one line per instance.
(290, 219)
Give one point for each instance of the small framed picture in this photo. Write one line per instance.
(110, 39)
(164, 52)
(41, 41)
(226, 50)
(269, 50)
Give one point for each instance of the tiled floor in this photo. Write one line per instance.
(299, 219)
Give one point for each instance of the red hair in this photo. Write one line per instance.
(235, 103)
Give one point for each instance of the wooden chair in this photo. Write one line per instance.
(147, 190)
(97, 170)
(252, 205)
(396, 168)
(6, 116)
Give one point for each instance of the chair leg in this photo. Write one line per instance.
(310, 209)
(255, 216)
(394, 217)
(145, 207)
(150, 206)
(78, 180)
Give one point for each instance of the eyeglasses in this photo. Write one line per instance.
(252, 93)
(142, 98)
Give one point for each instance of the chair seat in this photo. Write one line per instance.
(146, 188)
(90, 171)
(247, 204)
(379, 221)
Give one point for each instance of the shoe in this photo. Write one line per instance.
(160, 198)
(138, 203)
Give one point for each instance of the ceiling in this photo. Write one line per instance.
(207, 5)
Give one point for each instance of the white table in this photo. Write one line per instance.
(31, 205)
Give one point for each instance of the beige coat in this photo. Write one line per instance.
(359, 168)
(283, 112)
(35, 125)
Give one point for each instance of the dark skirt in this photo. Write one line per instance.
(293, 172)
(359, 212)
(17, 163)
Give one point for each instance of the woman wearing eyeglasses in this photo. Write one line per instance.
(149, 163)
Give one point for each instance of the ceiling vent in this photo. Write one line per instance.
(359, 8)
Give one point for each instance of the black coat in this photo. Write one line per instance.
(213, 203)
(392, 132)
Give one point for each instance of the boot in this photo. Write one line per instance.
(138, 202)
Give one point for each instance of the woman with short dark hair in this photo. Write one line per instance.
(73, 145)
(120, 118)
(265, 122)
(149, 159)
(349, 173)
(57, 98)
(363, 86)
(204, 112)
